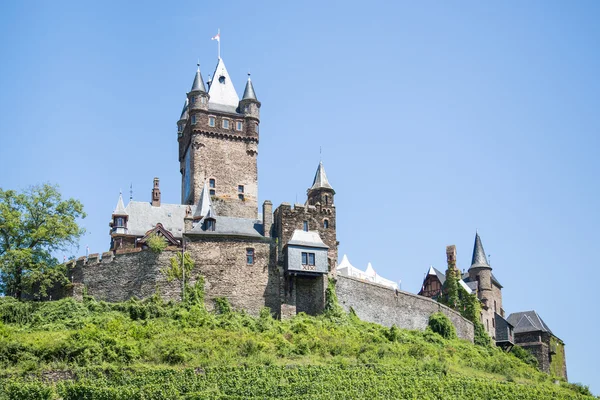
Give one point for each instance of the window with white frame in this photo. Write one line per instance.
(211, 121)
(239, 125)
(225, 124)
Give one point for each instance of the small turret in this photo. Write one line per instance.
(197, 97)
(481, 272)
(182, 119)
(250, 107)
(119, 217)
(321, 191)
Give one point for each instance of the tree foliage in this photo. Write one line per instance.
(156, 243)
(33, 225)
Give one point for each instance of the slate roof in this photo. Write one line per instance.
(321, 180)
(528, 321)
(308, 239)
(221, 90)
(229, 226)
(198, 84)
(143, 217)
(184, 111)
(120, 208)
(249, 93)
(479, 259)
(204, 207)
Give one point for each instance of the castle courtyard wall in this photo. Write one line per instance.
(386, 306)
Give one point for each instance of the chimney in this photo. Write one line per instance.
(267, 217)
(451, 256)
(156, 194)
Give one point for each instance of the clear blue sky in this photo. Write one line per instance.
(435, 119)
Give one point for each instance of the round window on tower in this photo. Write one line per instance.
(221, 79)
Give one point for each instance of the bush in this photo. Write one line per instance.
(440, 324)
(156, 243)
(524, 355)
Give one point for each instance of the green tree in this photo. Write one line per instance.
(33, 225)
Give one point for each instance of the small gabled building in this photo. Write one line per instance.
(532, 333)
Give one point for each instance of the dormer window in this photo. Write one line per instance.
(211, 121)
(119, 222)
(210, 224)
(225, 124)
(239, 125)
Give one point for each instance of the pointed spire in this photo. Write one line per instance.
(120, 208)
(205, 207)
(198, 85)
(479, 259)
(249, 93)
(321, 181)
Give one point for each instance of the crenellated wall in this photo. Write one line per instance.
(385, 306)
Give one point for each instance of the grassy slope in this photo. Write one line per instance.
(152, 350)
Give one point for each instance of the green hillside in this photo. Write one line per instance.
(151, 350)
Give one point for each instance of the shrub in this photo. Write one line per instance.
(222, 305)
(156, 243)
(440, 324)
(524, 355)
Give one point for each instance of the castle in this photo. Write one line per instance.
(281, 259)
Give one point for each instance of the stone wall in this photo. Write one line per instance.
(222, 263)
(385, 306)
(226, 272)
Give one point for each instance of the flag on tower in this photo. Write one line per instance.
(217, 37)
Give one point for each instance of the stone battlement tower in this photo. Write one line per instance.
(218, 145)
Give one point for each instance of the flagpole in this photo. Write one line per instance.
(219, 43)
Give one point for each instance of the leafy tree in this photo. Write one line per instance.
(33, 225)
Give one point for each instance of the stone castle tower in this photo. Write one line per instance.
(218, 144)
(489, 290)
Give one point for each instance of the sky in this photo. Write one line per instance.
(434, 119)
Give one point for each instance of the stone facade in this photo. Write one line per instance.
(231, 162)
(385, 306)
(288, 219)
(223, 264)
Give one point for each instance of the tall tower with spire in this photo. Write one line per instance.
(218, 144)
(489, 290)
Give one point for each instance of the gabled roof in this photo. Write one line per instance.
(321, 180)
(120, 208)
(249, 93)
(308, 239)
(198, 84)
(160, 229)
(221, 88)
(204, 207)
(479, 259)
(442, 278)
(528, 321)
